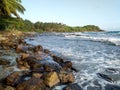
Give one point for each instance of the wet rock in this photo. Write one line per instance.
(9, 88)
(57, 59)
(105, 77)
(27, 63)
(51, 79)
(1, 87)
(16, 78)
(47, 51)
(24, 55)
(48, 68)
(4, 62)
(13, 79)
(21, 41)
(32, 84)
(74, 86)
(21, 48)
(112, 87)
(68, 65)
(66, 77)
(37, 75)
(38, 48)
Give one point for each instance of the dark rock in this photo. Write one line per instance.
(74, 86)
(32, 84)
(4, 62)
(28, 62)
(21, 41)
(48, 68)
(105, 77)
(112, 87)
(47, 51)
(1, 87)
(38, 48)
(16, 77)
(13, 79)
(9, 88)
(66, 77)
(68, 65)
(57, 59)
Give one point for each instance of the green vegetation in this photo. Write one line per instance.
(9, 7)
(26, 26)
(10, 20)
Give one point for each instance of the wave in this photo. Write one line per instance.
(112, 40)
(75, 34)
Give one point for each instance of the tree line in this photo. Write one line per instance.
(27, 25)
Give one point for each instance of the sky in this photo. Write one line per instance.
(103, 13)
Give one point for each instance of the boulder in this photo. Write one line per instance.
(38, 48)
(67, 65)
(66, 77)
(74, 86)
(27, 63)
(46, 51)
(13, 79)
(37, 75)
(32, 84)
(57, 59)
(9, 88)
(51, 79)
(4, 62)
(21, 48)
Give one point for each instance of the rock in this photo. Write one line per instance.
(46, 51)
(105, 77)
(27, 63)
(21, 48)
(4, 62)
(37, 75)
(48, 68)
(9, 88)
(1, 87)
(68, 65)
(24, 55)
(21, 41)
(32, 84)
(57, 59)
(51, 79)
(112, 87)
(13, 79)
(74, 86)
(66, 77)
(38, 48)
(16, 78)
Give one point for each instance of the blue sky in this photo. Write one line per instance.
(103, 13)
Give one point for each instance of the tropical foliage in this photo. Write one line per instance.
(10, 7)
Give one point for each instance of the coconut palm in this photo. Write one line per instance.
(10, 7)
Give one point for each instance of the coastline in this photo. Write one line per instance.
(29, 64)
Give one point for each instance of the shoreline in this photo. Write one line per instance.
(32, 63)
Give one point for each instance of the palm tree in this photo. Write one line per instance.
(10, 7)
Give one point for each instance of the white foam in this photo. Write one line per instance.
(113, 40)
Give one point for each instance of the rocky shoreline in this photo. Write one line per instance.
(27, 67)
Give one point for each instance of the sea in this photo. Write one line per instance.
(96, 56)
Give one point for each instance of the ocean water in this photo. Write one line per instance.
(92, 54)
